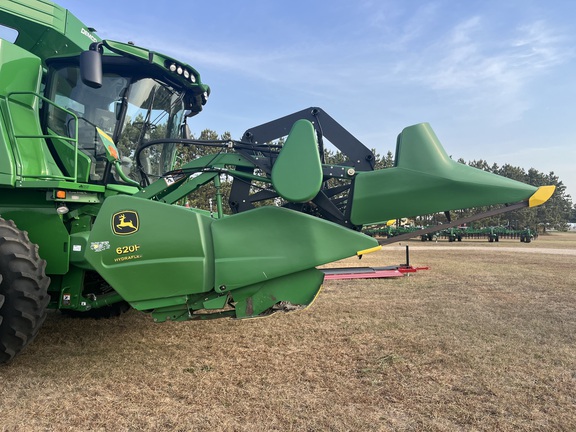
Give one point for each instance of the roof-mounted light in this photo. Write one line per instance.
(183, 71)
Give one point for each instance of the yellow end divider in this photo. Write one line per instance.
(542, 195)
(367, 251)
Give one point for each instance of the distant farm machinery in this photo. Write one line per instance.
(492, 234)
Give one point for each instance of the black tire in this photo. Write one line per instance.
(23, 290)
(95, 284)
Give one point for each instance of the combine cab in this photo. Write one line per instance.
(95, 168)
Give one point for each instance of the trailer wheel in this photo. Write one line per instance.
(23, 290)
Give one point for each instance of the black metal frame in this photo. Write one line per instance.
(331, 203)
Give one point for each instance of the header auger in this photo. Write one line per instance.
(95, 166)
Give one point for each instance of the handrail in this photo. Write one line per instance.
(73, 140)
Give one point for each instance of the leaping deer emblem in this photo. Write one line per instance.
(123, 223)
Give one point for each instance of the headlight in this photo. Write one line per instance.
(181, 70)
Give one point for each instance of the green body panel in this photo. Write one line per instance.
(426, 180)
(168, 255)
(44, 28)
(34, 214)
(7, 161)
(72, 159)
(114, 189)
(59, 184)
(21, 71)
(296, 289)
(175, 254)
(161, 60)
(79, 245)
(297, 172)
(275, 242)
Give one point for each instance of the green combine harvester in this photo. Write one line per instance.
(95, 171)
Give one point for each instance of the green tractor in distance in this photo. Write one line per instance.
(95, 164)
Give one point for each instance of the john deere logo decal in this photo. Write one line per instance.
(125, 222)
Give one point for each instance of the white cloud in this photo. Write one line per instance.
(470, 58)
(487, 71)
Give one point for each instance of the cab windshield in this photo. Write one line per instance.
(131, 110)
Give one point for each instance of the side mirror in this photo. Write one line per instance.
(186, 133)
(91, 66)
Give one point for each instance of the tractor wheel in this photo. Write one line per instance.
(94, 284)
(23, 290)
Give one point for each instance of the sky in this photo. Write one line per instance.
(495, 79)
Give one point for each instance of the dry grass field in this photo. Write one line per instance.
(483, 341)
